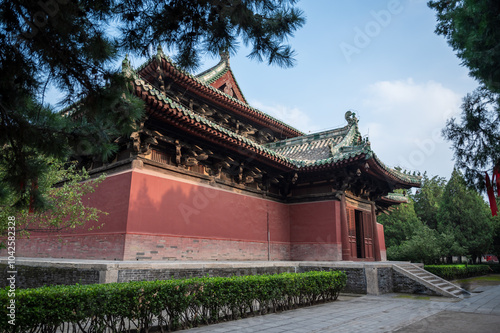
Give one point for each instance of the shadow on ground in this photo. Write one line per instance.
(456, 322)
(471, 284)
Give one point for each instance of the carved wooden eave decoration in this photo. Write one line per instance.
(172, 113)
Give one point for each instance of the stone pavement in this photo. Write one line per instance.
(385, 313)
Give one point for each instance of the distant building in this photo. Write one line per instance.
(208, 177)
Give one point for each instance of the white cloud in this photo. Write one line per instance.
(405, 119)
(290, 115)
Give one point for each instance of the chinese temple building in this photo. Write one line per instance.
(208, 177)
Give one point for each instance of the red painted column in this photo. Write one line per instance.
(376, 242)
(346, 250)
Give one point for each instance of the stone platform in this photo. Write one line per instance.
(372, 278)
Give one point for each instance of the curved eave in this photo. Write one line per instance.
(330, 163)
(190, 82)
(392, 201)
(378, 169)
(213, 74)
(168, 111)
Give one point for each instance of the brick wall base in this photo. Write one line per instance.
(157, 247)
(92, 246)
(161, 247)
(316, 252)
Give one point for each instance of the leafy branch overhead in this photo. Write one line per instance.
(471, 29)
(208, 26)
(475, 136)
(74, 46)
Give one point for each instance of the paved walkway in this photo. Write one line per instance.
(386, 313)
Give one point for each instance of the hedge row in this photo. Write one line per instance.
(452, 272)
(495, 268)
(167, 305)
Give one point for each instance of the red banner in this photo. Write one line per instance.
(496, 177)
(491, 195)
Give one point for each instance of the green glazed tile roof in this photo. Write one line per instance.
(325, 147)
(317, 149)
(218, 71)
(201, 119)
(213, 74)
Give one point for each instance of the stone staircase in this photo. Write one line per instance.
(431, 281)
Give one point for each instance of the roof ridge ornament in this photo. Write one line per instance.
(159, 50)
(159, 53)
(351, 118)
(224, 55)
(126, 67)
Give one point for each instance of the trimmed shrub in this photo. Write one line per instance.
(167, 304)
(452, 272)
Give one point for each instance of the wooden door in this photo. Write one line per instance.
(351, 223)
(368, 235)
(360, 234)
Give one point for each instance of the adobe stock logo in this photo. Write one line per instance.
(364, 36)
(429, 146)
(425, 149)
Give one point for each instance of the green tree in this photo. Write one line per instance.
(408, 238)
(194, 27)
(476, 137)
(450, 247)
(400, 224)
(74, 45)
(424, 246)
(68, 204)
(471, 29)
(464, 215)
(428, 198)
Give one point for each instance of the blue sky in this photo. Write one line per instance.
(378, 58)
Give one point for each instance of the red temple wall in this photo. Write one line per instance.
(105, 242)
(381, 242)
(154, 216)
(315, 231)
(171, 219)
(164, 205)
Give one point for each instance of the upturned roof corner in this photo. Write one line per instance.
(224, 56)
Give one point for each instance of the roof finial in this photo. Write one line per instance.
(159, 50)
(159, 53)
(224, 55)
(126, 63)
(351, 118)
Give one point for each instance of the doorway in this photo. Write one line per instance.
(360, 239)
